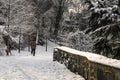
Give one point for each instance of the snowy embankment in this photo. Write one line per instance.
(23, 66)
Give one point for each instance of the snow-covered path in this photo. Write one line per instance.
(23, 66)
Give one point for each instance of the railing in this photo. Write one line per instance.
(84, 64)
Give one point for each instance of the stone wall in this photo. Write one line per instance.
(90, 70)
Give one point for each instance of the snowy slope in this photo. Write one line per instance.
(23, 66)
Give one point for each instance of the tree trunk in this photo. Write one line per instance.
(37, 35)
(19, 40)
(58, 18)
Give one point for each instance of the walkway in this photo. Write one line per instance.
(23, 66)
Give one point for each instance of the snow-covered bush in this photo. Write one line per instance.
(80, 41)
(73, 24)
(2, 44)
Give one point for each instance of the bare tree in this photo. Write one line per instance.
(60, 8)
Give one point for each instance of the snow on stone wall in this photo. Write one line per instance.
(90, 66)
(93, 57)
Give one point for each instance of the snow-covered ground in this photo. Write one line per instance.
(23, 66)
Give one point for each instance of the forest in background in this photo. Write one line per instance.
(86, 25)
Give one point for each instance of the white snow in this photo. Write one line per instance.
(16, 39)
(2, 30)
(93, 57)
(24, 66)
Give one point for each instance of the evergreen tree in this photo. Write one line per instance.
(107, 40)
(104, 22)
(102, 12)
